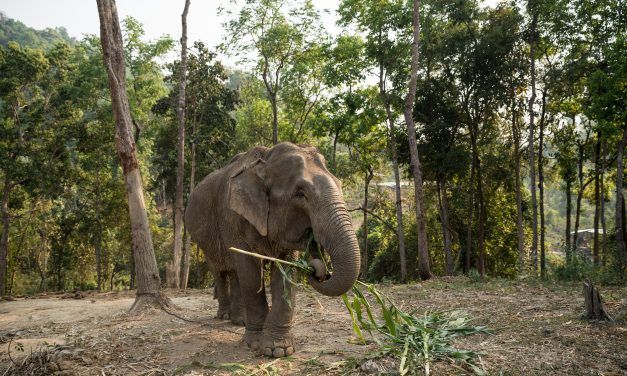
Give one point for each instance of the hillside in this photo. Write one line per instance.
(15, 31)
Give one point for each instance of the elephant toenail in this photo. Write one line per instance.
(268, 351)
(279, 352)
(289, 351)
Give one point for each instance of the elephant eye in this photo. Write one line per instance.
(300, 193)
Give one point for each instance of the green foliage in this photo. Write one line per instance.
(210, 126)
(15, 31)
(65, 201)
(578, 267)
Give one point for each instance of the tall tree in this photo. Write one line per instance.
(148, 280)
(531, 6)
(384, 29)
(173, 268)
(424, 269)
(564, 142)
(275, 33)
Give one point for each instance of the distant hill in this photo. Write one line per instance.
(16, 31)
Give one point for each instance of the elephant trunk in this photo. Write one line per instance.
(334, 231)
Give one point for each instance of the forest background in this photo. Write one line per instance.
(492, 205)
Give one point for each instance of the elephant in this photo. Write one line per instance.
(271, 201)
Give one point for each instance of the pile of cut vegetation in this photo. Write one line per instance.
(416, 342)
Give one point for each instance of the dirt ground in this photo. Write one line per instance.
(536, 328)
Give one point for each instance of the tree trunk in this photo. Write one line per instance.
(424, 269)
(531, 146)
(480, 202)
(275, 119)
(580, 189)
(619, 214)
(43, 265)
(98, 262)
(173, 268)
(147, 274)
(595, 309)
(602, 207)
(471, 187)
(541, 185)
(335, 137)
(192, 182)
(98, 244)
(364, 259)
(519, 212)
(397, 179)
(4, 240)
(597, 172)
(569, 209)
(446, 227)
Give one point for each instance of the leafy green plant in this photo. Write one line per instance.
(413, 340)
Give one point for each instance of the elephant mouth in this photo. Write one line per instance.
(319, 259)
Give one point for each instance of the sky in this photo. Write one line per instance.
(159, 17)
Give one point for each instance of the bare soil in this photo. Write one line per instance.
(537, 329)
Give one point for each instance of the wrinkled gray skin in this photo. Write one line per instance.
(269, 201)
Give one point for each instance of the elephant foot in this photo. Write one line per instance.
(223, 314)
(239, 320)
(253, 339)
(277, 348)
(238, 314)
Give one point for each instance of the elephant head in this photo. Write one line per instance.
(287, 194)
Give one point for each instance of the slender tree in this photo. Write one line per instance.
(520, 231)
(192, 182)
(173, 268)
(531, 143)
(424, 269)
(619, 214)
(148, 281)
(541, 128)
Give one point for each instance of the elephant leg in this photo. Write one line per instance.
(277, 337)
(252, 292)
(238, 311)
(222, 293)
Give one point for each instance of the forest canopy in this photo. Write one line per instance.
(520, 130)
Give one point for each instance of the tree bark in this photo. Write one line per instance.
(397, 178)
(471, 187)
(519, 212)
(275, 119)
(364, 260)
(480, 202)
(98, 244)
(595, 309)
(43, 266)
(424, 269)
(580, 190)
(569, 209)
(272, 96)
(541, 184)
(192, 182)
(531, 146)
(602, 207)
(4, 240)
(597, 173)
(173, 268)
(619, 214)
(147, 274)
(446, 227)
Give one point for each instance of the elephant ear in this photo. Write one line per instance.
(248, 197)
